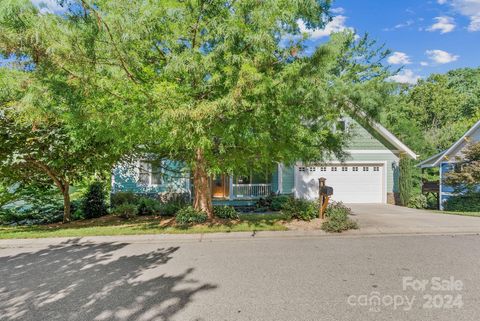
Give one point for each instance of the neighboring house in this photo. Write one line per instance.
(446, 162)
(368, 175)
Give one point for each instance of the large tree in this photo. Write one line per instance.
(40, 149)
(225, 86)
(430, 115)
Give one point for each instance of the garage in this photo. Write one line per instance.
(352, 183)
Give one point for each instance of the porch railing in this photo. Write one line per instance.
(251, 190)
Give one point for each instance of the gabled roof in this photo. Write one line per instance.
(392, 139)
(435, 160)
(382, 131)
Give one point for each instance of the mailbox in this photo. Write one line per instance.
(326, 190)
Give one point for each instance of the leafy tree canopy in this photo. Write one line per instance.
(225, 86)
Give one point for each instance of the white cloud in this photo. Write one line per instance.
(423, 63)
(338, 10)
(444, 24)
(442, 1)
(440, 56)
(406, 76)
(336, 25)
(468, 8)
(48, 6)
(474, 23)
(399, 58)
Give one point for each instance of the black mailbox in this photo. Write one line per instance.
(326, 190)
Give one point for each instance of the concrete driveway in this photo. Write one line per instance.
(382, 218)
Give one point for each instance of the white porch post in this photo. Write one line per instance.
(230, 188)
(280, 178)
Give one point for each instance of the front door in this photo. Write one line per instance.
(220, 186)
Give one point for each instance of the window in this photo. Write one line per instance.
(355, 169)
(376, 169)
(302, 169)
(323, 169)
(365, 168)
(312, 169)
(333, 169)
(150, 173)
(344, 169)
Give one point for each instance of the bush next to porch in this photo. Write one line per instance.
(225, 212)
(300, 209)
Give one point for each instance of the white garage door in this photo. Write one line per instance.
(352, 183)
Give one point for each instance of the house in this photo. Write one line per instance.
(369, 174)
(446, 162)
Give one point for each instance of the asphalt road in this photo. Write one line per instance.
(308, 278)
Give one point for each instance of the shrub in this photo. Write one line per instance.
(169, 209)
(120, 198)
(469, 202)
(226, 212)
(278, 202)
(337, 208)
(272, 202)
(148, 206)
(418, 201)
(405, 180)
(30, 205)
(189, 215)
(126, 211)
(300, 209)
(94, 201)
(337, 218)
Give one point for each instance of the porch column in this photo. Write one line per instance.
(230, 188)
(280, 178)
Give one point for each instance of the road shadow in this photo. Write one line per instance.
(87, 281)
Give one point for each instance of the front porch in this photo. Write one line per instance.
(230, 188)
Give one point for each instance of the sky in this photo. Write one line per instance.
(425, 37)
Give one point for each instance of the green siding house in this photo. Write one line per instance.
(368, 175)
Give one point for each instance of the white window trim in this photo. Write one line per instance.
(150, 184)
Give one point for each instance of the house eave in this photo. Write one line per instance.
(459, 142)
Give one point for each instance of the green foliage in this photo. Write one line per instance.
(300, 209)
(278, 202)
(30, 204)
(405, 180)
(189, 215)
(469, 202)
(148, 206)
(170, 209)
(126, 211)
(418, 201)
(466, 176)
(120, 198)
(94, 201)
(272, 202)
(431, 115)
(335, 209)
(337, 219)
(225, 212)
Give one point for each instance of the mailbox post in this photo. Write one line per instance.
(324, 193)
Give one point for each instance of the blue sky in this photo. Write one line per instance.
(426, 36)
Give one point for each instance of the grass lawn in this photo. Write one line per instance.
(477, 214)
(112, 225)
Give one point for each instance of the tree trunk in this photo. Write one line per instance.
(66, 203)
(202, 200)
